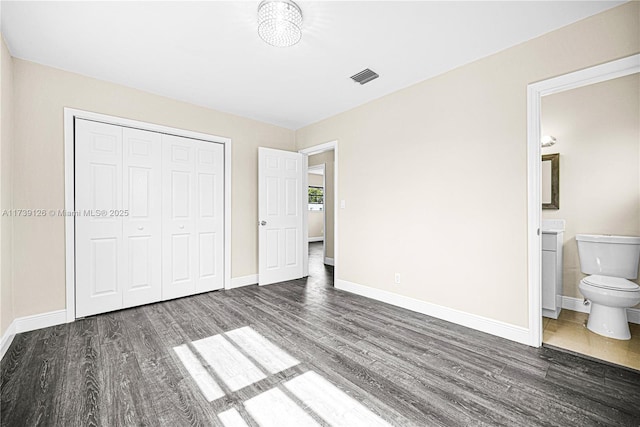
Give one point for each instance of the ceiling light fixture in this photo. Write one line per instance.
(279, 22)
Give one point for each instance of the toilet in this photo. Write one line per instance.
(609, 261)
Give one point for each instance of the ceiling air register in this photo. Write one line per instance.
(364, 76)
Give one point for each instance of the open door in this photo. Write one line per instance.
(280, 215)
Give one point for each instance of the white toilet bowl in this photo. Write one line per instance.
(610, 297)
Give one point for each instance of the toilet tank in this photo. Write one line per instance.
(615, 256)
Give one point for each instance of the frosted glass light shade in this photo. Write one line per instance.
(547, 140)
(279, 22)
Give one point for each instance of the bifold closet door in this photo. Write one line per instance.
(193, 219)
(99, 245)
(142, 225)
(150, 221)
(118, 228)
(209, 215)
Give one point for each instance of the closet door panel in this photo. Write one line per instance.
(179, 250)
(142, 221)
(150, 221)
(209, 215)
(100, 252)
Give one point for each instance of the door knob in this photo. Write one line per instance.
(263, 223)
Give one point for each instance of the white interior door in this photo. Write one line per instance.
(179, 220)
(142, 227)
(99, 243)
(209, 207)
(280, 215)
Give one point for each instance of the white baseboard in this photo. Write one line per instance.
(316, 239)
(39, 321)
(328, 261)
(576, 304)
(7, 338)
(238, 282)
(473, 321)
(31, 323)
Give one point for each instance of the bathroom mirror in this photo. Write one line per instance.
(551, 181)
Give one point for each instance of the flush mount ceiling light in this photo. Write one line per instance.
(279, 22)
(547, 141)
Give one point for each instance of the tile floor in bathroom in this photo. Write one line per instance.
(570, 332)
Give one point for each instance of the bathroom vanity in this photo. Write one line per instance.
(552, 240)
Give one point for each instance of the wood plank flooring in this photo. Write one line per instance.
(387, 364)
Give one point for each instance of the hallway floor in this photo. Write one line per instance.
(319, 272)
(570, 332)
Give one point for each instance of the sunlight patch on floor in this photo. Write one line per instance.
(232, 418)
(332, 404)
(269, 356)
(229, 364)
(226, 355)
(242, 357)
(208, 386)
(273, 408)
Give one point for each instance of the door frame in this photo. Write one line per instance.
(323, 168)
(309, 151)
(535, 92)
(70, 114)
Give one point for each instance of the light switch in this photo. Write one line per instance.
(342, 204)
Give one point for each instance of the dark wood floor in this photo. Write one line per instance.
(409, 369)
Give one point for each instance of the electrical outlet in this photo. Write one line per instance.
(397, 278)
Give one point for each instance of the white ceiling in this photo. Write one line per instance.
(209, 53)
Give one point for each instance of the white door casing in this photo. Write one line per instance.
(142, 227)
(535, 91)
(280, 215)
(99, 244)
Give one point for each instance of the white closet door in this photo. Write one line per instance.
(99, 243)
(142, 227)
(209, 215)
(179, 250)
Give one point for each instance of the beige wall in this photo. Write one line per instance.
(40, 94)
(316, 180)
(450, 186)
(6, 135)
(598, 132)
(328, 159)
(315, 225)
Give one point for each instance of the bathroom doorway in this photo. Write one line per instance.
(584, 178)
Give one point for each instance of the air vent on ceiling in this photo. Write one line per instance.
(365, 76)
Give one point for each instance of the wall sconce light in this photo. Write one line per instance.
(547, 141)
